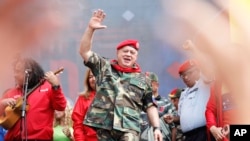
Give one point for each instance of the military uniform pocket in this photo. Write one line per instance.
(99, 112)
(138, 83)
(131, 119)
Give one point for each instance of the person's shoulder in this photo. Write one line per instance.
(44, 83)
(10, 91)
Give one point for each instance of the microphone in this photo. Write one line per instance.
(28, 71)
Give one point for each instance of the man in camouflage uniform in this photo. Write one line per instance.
(122, 91)
(164, 107)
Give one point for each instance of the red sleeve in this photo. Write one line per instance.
(211, 113)
(9, 93)
(58, 99)
(77, 117)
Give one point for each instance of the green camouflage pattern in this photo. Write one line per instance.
(164, 106)
(114, 135)
(179, 134)
(120, 97)
(152, 76)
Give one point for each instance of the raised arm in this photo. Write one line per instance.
(86, 41)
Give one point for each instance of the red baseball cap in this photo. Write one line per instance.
(131, 42)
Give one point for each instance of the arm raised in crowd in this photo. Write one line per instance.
(86, 41)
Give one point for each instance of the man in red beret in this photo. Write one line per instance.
(192, 103)
(122, 91)
(186, 69)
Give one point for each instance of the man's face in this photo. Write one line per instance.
(155, 86)
(175, 102)
(59, 114)
(190, 76)
(127, 56)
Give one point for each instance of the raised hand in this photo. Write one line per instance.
(96, 20)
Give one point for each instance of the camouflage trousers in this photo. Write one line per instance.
(115, 135)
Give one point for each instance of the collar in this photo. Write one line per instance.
(135, 68)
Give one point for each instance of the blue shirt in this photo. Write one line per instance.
(2, 133)
(192, 106)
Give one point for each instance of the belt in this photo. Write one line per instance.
(191, 132)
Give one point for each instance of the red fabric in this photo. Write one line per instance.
(133, 43)
(115, 65)
(211, 111)
(42, 103)
(81, 131)
(187, 65)
(214, 114)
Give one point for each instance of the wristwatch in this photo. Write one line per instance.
(55, 87)
(155, 128)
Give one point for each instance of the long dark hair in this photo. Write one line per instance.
(36, 73)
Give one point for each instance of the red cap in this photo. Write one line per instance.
(132, 43)
(187, 65)
(175, 93)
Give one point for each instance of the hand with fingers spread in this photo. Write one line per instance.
(96, 20)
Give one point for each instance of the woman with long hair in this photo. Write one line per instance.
(81, 131)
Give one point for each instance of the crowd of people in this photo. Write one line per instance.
(120, 101)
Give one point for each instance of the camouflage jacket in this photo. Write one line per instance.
(164, 107)
(120, 97)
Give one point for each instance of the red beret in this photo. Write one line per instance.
(175, 93)
(132, 43)
(187, 65)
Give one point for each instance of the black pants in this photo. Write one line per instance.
(197, 134)
(212, 137)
